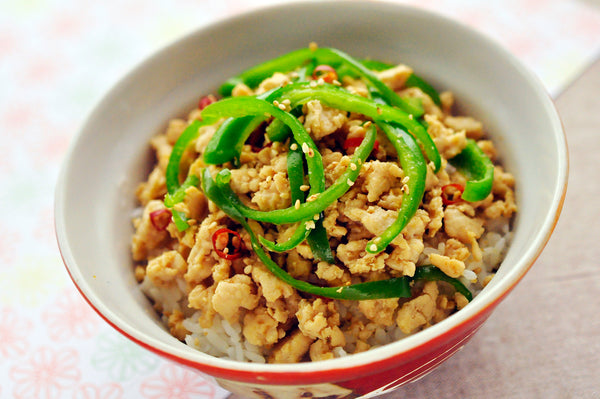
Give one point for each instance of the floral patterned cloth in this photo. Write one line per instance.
(57, 58)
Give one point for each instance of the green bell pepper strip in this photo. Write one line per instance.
(222, 147)
(334, 57)
(317, 236)
(175, 189)
(416, 81)
(336, 97)
(295, 168)
(392, 288)
(245, 106)
(432, 273)
(227, 142)
(323, 200)
(414, 167)
(284, 63)
(477, 168)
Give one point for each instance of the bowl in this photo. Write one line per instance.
(110, 155)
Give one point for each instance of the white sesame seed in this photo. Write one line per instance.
(276, 103)
(405, 179)
(349, 182)
(320, 82)
(316, 216)
(305, 148)
(312, 198)
(373, 247)
(336, 82)
(297, 204)
(282, 107)
(294, 147)
(304, 187)
(406, 189)
(313, 84)
(286, 101)
(353, 166)
(368, 123)
(410, 116)
(310, 225)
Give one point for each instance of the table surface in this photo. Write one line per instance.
(58, 57)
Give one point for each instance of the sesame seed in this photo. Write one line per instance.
(305, 148)
(310, 225)
(297, 204)
(313, 46)
(311, 153)
(406, 189)
(373, 247)
(286, 101)
(304, 187)
(282, 107)
(377, 239)
(353, 166)
(320, 82)
(350, 182)
(313, 84)
(369, 123)
(316, 216)
(276, 103)
(336, 82)
(410, 116)
(405, 179)
(312, 198)
(379, 111)
(294, 147)
(339, 290)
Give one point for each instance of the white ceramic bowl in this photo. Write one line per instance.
(95, 192)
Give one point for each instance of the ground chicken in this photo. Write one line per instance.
(419, 311)
(380, 311)
(379, 177)
(320, 120)
(291, 349)
(232, 294)
(148, 240)
(260, 328)
(395, 77)
(320, 320)
(460, 226)
(164, 269)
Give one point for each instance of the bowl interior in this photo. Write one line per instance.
(95, 194)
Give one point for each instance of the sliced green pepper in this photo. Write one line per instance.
(432, 273)
(477, 168)
(415, 169)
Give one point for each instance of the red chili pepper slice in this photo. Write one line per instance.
(325, 72)
(356, 141)
(160, 219)
(233, 249)
(206, 101)
(452, 193)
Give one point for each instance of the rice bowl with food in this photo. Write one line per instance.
(319, 206)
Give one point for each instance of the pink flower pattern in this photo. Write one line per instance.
(47, 374)
(14, 333)
(92, 391)
(174, 382)
(70, 317)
